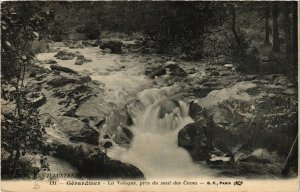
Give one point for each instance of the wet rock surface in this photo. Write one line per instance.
(77, 105)
(244, 132)
(93, 163)
(50, 61)
(88, 135)
(114, 46)
(60, 96)
(175, 70)
(116, 127)
(81, 60)
(170, 68)
(63, 69)
(155, 72)
(197, 139)
(65, 55)
(36, 99)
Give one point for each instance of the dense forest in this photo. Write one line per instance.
(257, 41)
(240, 31)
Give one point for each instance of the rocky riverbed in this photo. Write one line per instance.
(96, 106)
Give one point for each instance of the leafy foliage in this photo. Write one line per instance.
(21, 133)
(21, 24)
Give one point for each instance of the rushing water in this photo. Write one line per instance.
(154, 149)
(121, 76)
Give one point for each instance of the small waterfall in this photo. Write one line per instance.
(154, 148)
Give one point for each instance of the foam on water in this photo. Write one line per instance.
(154, 148)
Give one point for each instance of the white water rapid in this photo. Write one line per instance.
(154, 148)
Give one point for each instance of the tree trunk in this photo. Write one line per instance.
(267, 25)
(15, 161)
(287, 31)
(294, 41)
(291, 157)
(275, 14)
(233, 27)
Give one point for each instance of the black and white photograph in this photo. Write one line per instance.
(179, 93)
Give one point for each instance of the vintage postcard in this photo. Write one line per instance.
(149, 96)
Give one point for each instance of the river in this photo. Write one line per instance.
(154, 148)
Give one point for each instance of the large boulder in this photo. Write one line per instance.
(259, 156)
(94, 107)
(76, 130)
(93, 163)
(171, 68)
(37, 72)
(65, 78)
(195, 110)
(117, 124)
(36, 99)
(197, 138)
(81, 60)
(62, 81)
(66, 93)
(123, 135)
(49, 61)
(248, 117)
(65, 55)
(63, 69)
(77, 45)
(117, 118)
(106, 50)
(174, 69)
(87, 135)
(69, 126)
(153, 72)
(114, 46)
